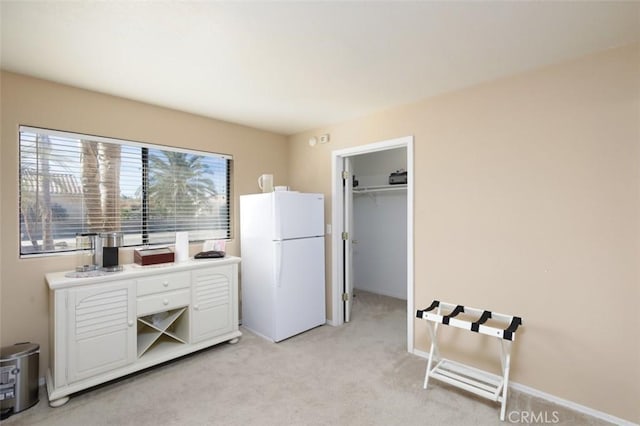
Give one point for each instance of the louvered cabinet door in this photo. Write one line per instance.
(102, 332)
(213, 301)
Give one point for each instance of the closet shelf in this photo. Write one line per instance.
(379, 188)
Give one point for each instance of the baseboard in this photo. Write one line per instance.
(571, 405)
(555, 399)
(421, 354)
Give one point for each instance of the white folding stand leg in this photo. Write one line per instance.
(505, 352)
(433, 331)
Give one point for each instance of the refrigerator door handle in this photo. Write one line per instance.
(278, 264)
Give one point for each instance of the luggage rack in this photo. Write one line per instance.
(471, 379)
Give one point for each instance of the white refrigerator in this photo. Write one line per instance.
(282, 268)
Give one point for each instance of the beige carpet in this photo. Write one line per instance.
(357, 374)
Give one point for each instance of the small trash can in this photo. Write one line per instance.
(19, 372)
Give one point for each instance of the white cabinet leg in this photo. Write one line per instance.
(59, 402)
(234, 341)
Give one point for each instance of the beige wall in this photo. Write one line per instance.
(23, 292)
(527, 192)
(527, 201)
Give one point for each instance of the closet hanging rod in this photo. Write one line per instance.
(381, 188)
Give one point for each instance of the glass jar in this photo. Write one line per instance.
(85, 252)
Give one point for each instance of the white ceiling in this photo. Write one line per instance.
(294, 66)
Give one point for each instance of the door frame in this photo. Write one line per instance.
(337, 209)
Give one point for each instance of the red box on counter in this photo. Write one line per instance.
(153, 256)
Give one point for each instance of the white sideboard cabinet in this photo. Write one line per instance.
(104, 327)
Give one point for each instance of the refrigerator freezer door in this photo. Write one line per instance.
(300, 286)
(297, 215)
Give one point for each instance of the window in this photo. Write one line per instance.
(72, 183)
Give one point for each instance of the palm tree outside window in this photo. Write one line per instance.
(72, 183)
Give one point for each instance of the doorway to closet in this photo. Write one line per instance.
(372, 243)
(379, 240)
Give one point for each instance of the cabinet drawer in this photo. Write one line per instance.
(162, 302)
(165, 282)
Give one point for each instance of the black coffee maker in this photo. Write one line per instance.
(107, 251)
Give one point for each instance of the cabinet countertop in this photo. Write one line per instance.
(59, 280)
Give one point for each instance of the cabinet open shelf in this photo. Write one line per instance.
(161, 329)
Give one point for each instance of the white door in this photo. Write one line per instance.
(347, 238)
(299, 286)
(212, 296)
(102, 332)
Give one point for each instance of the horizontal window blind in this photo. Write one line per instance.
(72, 183)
